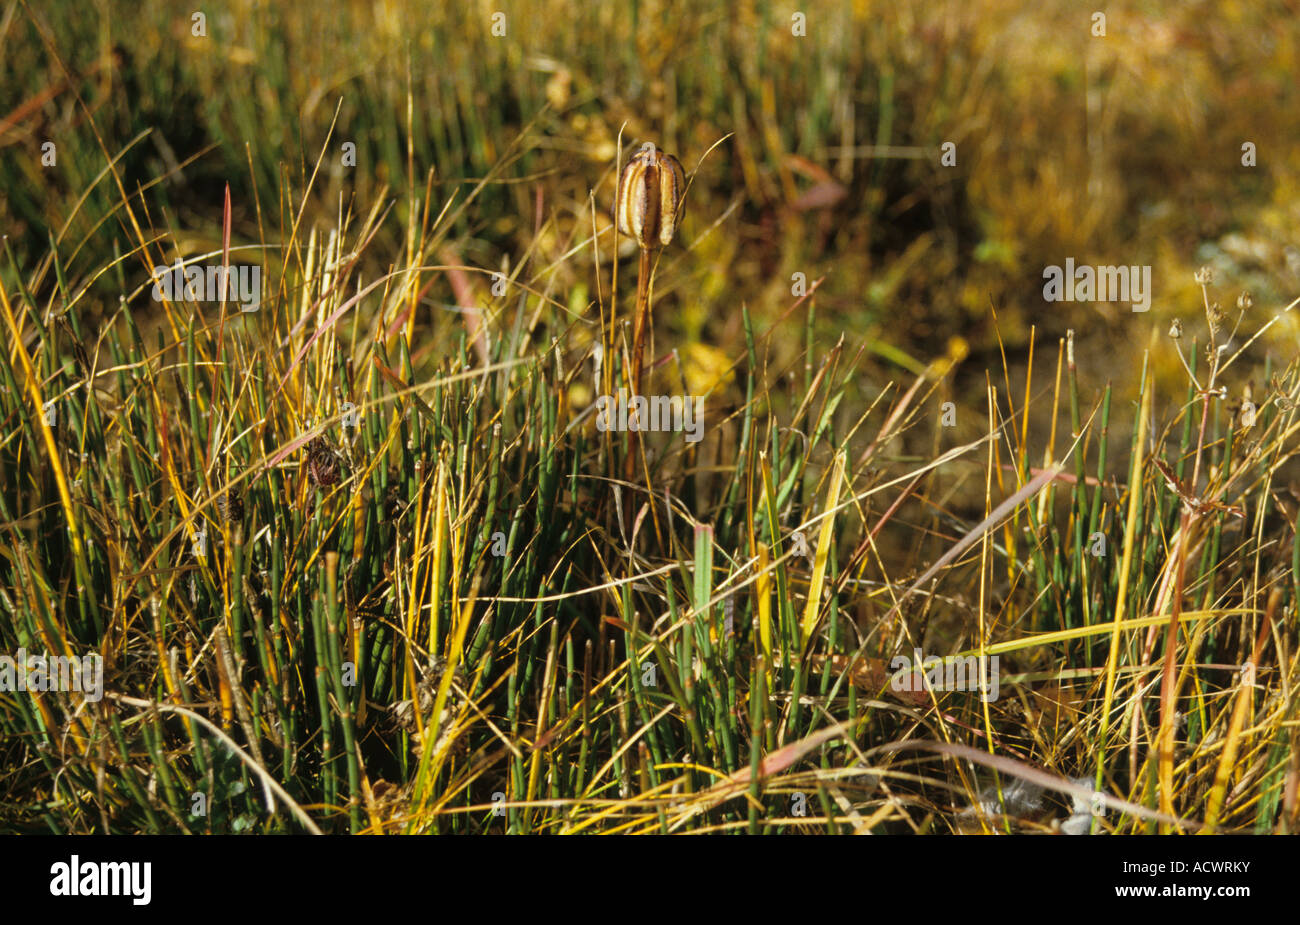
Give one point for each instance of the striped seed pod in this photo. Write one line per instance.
(650, 197)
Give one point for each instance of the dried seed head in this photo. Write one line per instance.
(1244, 301)
(323, 463)
(1204, 276)
(231, 505)
(649, 198)
(403, 713)
(1176, 329)
(1215, 317)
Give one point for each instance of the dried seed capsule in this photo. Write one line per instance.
(323, 463)
(231, 505)
(650, 196)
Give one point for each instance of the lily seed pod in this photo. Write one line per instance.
(650, 196)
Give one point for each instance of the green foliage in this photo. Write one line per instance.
(471, 609)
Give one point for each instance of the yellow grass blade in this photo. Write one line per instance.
(823, 551)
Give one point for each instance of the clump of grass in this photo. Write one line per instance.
(362, 561)
(451, 613)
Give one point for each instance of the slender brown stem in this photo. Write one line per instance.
(642, 312)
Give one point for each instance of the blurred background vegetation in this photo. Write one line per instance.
(1122, 149)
